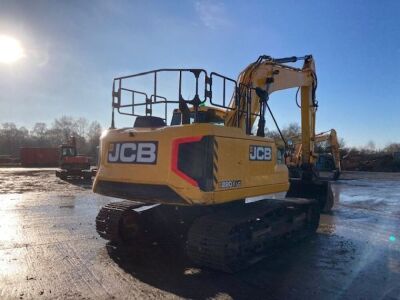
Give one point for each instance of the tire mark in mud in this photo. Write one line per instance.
(121, 283)
(81, 273)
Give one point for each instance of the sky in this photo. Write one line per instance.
(74, 49)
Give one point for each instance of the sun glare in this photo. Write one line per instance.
(10, 50)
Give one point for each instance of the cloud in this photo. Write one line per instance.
(212, 14)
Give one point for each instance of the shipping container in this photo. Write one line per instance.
(39, 157)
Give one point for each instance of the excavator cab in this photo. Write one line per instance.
(325, 162)
(68, 150)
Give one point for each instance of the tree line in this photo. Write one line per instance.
(294, 130)
(87, 135)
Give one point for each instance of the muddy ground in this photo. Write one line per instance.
(49, 249)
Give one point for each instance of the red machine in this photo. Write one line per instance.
(72, 164)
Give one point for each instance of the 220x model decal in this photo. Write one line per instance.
(133, 152)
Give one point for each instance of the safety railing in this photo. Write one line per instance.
(151, 100)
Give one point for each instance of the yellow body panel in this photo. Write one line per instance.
(234, 175)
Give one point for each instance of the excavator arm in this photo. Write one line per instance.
(331, 137)
(293, 159)
(266, 76)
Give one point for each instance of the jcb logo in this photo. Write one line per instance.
(260, 153)
(133, 152)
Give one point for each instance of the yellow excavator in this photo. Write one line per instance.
(208, 173)
(328, 162)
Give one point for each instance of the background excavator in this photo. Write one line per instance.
(327, 163)
(206, 170)
(73, 165)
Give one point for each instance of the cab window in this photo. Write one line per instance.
(68, 151)
(203, 117)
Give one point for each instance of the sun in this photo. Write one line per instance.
(10, 50)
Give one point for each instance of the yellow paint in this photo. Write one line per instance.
(257, 177)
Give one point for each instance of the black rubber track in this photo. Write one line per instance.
(233, 240)
(109, 218)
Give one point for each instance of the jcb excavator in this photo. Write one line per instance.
(210, 176)
(324, 162)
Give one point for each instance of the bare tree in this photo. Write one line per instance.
(87, 135)
(12, 138)
(289, 132)
(65, 127)
(393, 147)
(81, 125)
(370, 147)
(39, 130)
(93, 137)
(342, 143)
